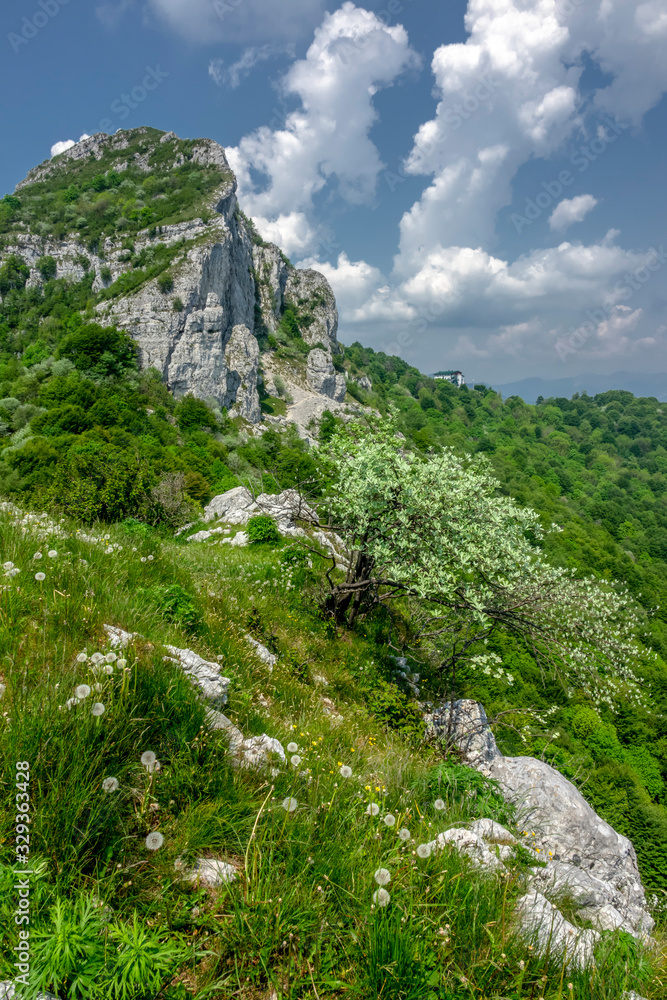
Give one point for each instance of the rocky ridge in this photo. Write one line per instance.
(228, 288)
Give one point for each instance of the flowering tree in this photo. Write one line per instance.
(437, 530)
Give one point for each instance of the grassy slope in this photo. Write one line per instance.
(299, 919)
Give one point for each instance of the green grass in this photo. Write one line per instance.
(300, 918)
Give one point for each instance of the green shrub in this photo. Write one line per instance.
(177, 305)
(47, 267)
(175, 605)
(165, 283)
(105, 274)
(262, 529)
(100, 351)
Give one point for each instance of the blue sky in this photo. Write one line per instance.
(481, 182)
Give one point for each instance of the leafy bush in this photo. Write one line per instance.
(47, 267)
(165, 283)
(175, 605)
(262, 529)
(100, 352)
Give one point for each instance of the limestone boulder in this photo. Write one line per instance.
(585, 856)
(322, 376)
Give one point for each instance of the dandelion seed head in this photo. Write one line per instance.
(295, 760)
(81, 658)
(110, 657)
(37, 555)
(439, 805)
(292, 747)
(148, 758)
(8, 565)
(121, 663)
(382, 876)
(143, 558)
(289, 804)
(346, 772)
(52, 554)
(110, 785)
(381, 897)
(98, 709)
(372, 809)
(96, 658)
(404, 834)
(40, 576)
(154, 840)
(150, 558)
(82, 691)
(97, 686)
(108, 669)
(424, 850)
(389, 819)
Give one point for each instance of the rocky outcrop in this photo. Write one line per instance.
(238, 505)
(224, 287)
(585, 857)
(322, 376)
(311, 293)
(271, 274)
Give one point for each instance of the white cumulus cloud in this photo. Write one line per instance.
(571, 210)
(60, 147)
(326, 140)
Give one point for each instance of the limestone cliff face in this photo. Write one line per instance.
(228, 288)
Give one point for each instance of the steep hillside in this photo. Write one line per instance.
(152, 223)
(155, 353)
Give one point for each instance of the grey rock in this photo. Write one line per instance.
(310, 289)
(471, 845)
(237, 506)
(588, 855)
(267, 657)
(203, 674)
(213, 872)
(239, 540)
(118, 637)
(223, 279)
(492, 832)
(549, 931)
(252, 751)
(271, 273)
(242, 359)
(8, 992)
(322, 376)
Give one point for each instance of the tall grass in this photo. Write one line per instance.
(111, 917)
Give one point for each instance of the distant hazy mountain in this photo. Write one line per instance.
(638, 384)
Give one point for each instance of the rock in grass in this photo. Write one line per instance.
(549, 931)
(584, 854)
(8, 992)
(204, 675)
(210, 871)
(251, 751)
(267, 657)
